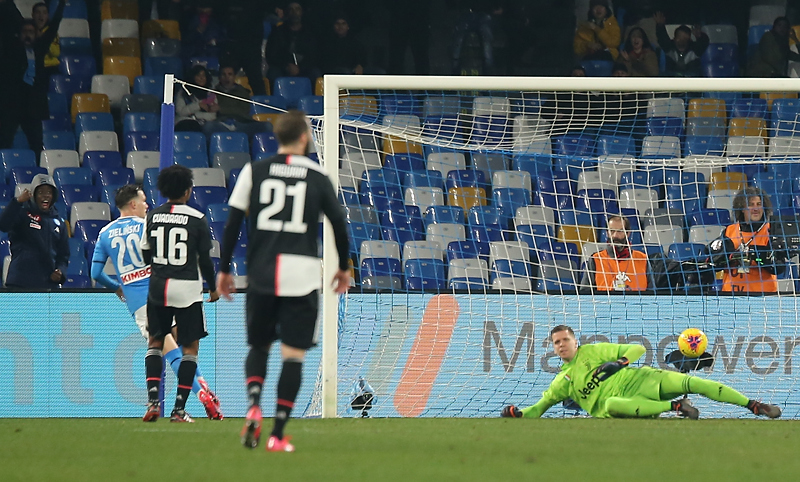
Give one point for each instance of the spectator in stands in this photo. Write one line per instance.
(25, 81)
(638, 55)
(620, 70)
(772, 57)
(244, 26)
(39, 238)
(41, 17)
(292, 48)
(410, 27)
(683, 55)
(193, 106)
(202, 35)
(599, 37)
(341, 52)
(619, 267)
(233, 114)
(748, 252)
(475, 16)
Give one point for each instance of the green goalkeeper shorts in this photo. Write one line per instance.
(647, 383)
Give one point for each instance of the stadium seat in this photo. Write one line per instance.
(89, 103)
(705, 126)
(228, 142)
(228, 161)
(11, 158)
(749, 107)
(573, 145)
(73, 176)
(443, 162)
(73, 27)
(721, 52)
(444, 214)
(614, 144)
(402, 224)
(597, 68)
(81, 193)
(57, 123)
(78, 266)
(489, 162)
(663, 126)
(721, 199)
(140, 141)
(511, 179)
(704, 234)
(424, 274)
(311, 105)
(93, 121)
(68, 85)
(139, 161)
(83, 66)
(114, 86)
(159, 28)
(528, 215)
(140, 103)
(203, 196)
(687, 251)
(97, 141)
(114, 176)
(721, 33)
(116, 27)
(707, 107)
(577, 235)
(121, 47)
(51, 159)
(721, 69)
(210, 63)
(424, 197)
(746, 147)
(661, 147)
(140, 122)
(509, 199)
(747, 126)
(703, 145)
(639, 199)
(755, 32)
(160, 66)
(208, 177)
(24, 174)
(129, 67)
(161, 47)
(292, 89)
(466, 197)
(191, 160)
(665, 107)
(75, 45)
(150, 85)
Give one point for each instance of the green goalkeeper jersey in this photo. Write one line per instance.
(577, 381)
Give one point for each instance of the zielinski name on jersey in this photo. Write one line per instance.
(129, 229)
(135, 275)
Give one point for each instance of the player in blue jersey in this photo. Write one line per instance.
(120, 240)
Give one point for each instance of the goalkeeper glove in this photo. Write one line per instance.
(609, 368)
(510, 411)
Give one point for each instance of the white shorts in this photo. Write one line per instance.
(140, 316)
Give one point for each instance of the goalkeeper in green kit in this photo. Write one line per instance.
(599, 379)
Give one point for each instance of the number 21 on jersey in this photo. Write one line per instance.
(272, 194)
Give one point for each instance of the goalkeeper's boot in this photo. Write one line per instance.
(181, 416)
(276, 444)
(251, 432)
(511, 411)
(764, 409)
(685, 409)
(210, 401)
(152, 413)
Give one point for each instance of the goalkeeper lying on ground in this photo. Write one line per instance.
(599, 379)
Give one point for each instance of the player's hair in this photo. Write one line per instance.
(290, 126)
(685, 29)
(626, 223)
(742, 199)
(174, 181)
(558, 328)
(126, 194)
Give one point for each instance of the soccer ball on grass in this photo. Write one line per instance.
(692, 342)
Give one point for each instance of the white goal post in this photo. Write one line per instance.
(336, 88)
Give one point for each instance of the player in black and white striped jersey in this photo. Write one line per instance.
(176, 243)
(285, 196)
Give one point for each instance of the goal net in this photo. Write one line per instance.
(483, 212)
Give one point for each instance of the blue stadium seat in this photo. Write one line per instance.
(20, 140)
(150, 177)
(75, 46)
(751, 170)
(685, 191)
(704, 145)
(264, 142)
(750, 107)
(784, 109)
(720, 52)
(140, 122)
(292, 89)
(396, 104)
(210, 63)
(616, 145)
(573, 145)
(279, 104)
(570, 217)
(6, 193)
(67, 85)
(78, 65)
(81, 193)
(403, 224)
(506, 268)
(380, 196)
(77, 266)
(107, 193)
(530, 105)
(11, 158)
(217, 212)
(709, 217)
(485, 215)
(756, 32)
(384, 176)
(465, 178)
(719, 69)
(425, 274)
(150, 85)
(597, 202)
(779, 191)
(489, 130)
(422, 178)
(509, 199)
(58, 103)
(466, 250)
(381, 267)
(535, 235)
(93, 121)
(160, 66)
(686, 251)
(786, 128)
(97, 160)
(634, 179)
(359, 232)
(72, 8)
(87, 230)
(598, 68)
(78, 176)
(114, 176)
(140, 141)
(234, 175)
(404, 162)
(444, 214)
(665, 126)
(57, 122)
(24, 174)
(239, 266)
(59, 140)
(228, 142)
(75, 281)
(445, 128)
(189, 142)
(204, 195)
(532, 163)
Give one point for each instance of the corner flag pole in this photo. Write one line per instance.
(167, 126)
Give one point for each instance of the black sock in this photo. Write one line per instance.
(186, 373)
(152, 369)
(255, 370)
(288, 386)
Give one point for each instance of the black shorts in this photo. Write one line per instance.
(191, 322)
(293, 320)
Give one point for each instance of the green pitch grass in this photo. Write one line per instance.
(375, 450)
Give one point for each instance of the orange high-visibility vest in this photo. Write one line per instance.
(611, 272)
(757, 280)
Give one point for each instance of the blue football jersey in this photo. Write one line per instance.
(120, 240)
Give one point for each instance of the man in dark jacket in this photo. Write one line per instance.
(683, 55)
(292, 48)
(23, 91)
(39, 242)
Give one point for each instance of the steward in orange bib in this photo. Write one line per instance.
(618, 267)
(748, 251)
